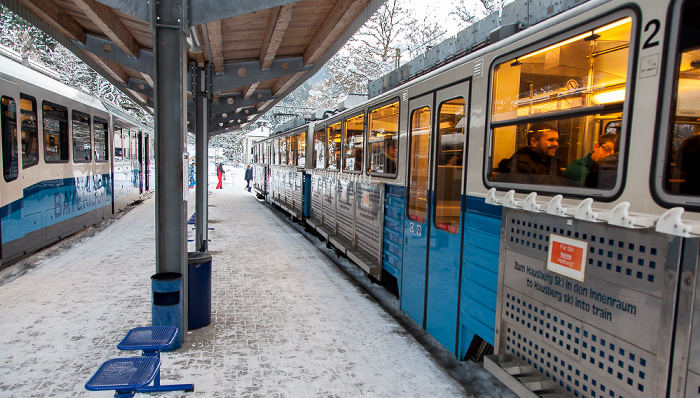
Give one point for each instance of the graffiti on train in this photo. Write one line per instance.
(90, 192)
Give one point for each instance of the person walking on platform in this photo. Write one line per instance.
(248, 177)
(220, 173)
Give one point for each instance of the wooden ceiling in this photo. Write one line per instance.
(258, 51)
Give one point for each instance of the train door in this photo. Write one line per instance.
(433, 225)
(415, 255)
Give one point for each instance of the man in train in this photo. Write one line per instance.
(579, 169)
(536, 163)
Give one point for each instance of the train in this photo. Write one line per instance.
(70, 159)
(536, 199)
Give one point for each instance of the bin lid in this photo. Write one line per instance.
(166, 276)
(194, 258)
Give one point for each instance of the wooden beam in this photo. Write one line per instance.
(248, 91)
(277, 25)
(148, 79)
(216, 44)
(55, 16)
(110, 67)
(342, 15)
(110, 25)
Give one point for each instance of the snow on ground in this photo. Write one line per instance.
(285, 321)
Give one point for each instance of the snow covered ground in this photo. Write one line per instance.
(286, 322)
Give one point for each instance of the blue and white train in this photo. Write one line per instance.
(69, 159)
(538, 197)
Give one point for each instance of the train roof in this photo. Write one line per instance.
(12, 70)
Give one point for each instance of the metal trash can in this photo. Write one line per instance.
(166, 303)
(199, 290)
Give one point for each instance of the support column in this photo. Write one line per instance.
(170, 118)
(202, 82)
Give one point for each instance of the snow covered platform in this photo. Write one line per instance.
(286, 321)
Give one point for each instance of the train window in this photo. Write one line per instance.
(450, 153)
(126, 144)
(301, 148)
(320, 149)
(82, 140)
(552, 110)
(30, 134)
(134, 145)
(354, 129)
(382, 138)
(118, 150)
(682, 161)
(419, 164)
(101, 140)
(334, 133)
(55, 119)
(284, 151)
(276, 151)
(10, 161)
(291, 151)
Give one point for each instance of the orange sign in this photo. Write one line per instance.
(567, 256)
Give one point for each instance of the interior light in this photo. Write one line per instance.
(613, 25)
(609, 97)
(552, 47)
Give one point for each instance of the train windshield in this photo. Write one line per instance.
(557, 111)
(682, 168)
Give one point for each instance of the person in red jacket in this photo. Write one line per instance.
(220, 173)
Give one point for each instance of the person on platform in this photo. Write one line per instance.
(220, 173)
(535, 163)
(248, 177)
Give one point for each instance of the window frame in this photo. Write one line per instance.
(32, 100)
(98, 120)
(9, 174)
(626, 108)
(64, 138)
(397, 101)
(668, 89)
(339, 163)
(344, 142)
(118, 131)
(322, 129)
(77, 113)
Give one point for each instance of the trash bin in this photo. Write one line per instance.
(166, 303)
(199, 290)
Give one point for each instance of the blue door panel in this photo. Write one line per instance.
(413, 275)
(443, 287)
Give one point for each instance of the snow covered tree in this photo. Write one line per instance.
(466, 12)
(426, 33)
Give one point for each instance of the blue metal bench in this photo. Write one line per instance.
(128, 376)
(124, 375)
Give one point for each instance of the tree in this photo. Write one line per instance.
(466, 12)
(427, 33)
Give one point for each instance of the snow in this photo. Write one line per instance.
(286, 321)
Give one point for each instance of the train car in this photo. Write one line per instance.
(543, 200)
(69, 160)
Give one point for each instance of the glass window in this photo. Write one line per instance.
(291, 150)
(10, 161)
(418, 168)
(30, 134)
(301, 149)
(101, 140)
(126, 144)
(334, 146)
(450, 152)
(682, 168)
(118, 150)
(320, 149)
(55, 119)
(82, 140)
(276, 151)
(536, 137)
(383, 138)
(354, 128)
(283, 151)
(134, 145)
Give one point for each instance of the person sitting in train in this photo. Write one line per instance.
(579, 169)
(536, 163)
(390, 157)
(688, 161)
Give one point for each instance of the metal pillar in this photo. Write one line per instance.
(170, 118)
(200, 83)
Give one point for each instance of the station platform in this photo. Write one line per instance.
(286, 320)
